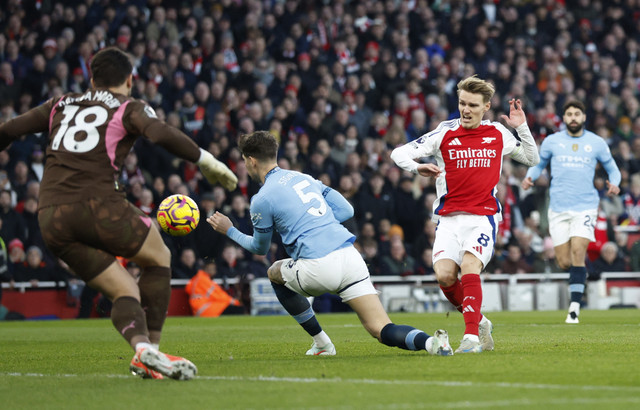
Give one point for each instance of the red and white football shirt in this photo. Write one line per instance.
(471, 163)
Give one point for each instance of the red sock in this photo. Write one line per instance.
(472, 302)
(454, 294)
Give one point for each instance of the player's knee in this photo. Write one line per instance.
(374, 328)
(274, 273)
(577, 257)
(163, 256)
(563, 263)
(471, 265)
(446, 278)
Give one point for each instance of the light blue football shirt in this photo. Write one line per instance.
(573, 165)
(305, 212)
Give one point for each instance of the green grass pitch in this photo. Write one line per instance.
(259, 363)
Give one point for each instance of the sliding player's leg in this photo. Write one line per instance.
(357, 290)
(376, 321)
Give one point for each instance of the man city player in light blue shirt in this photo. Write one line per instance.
(573, 206)
(307, 214)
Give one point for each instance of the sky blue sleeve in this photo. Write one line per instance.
(545, 156)
(610, 166)
(258, 243)
(262, 221)
(341, 208)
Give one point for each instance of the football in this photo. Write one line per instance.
(178, 215)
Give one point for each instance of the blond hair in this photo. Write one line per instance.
(474, 85)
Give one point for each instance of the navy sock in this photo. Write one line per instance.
(577, 278)
(403, 336)
(298, 306)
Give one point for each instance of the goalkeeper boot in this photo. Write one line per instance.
(469, 346)
(138, 368)
(484, 333)
(174, 367)
(440, 345)
(326, 350)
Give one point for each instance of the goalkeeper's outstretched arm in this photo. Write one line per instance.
(176, 142)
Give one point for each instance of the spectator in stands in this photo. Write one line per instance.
(375, 203)
(406, 207)
(207, 244)
(10, 85)
(233, 265)
(425, 239)
(514, 262)
(259, 265)
(368, 247)
(398, 262)
(13, 225)
(631, 202)
(424, 265)
(418, 125)
(624, 251)
(15, 248)
(186, 266)
(609, 261)
(5, 275)
(240, 214)
(33, 269)
(385, 231)
(161, 29)
(22, 176)
(207, 298)
(30, 215)
(545, 261)
(37, 163)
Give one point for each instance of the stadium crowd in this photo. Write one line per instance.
(340, 84)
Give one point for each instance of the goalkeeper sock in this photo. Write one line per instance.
(155, 293)
(577, 277)
(143, 345)
(128, 318)
(299, 307)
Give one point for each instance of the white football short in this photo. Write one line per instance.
(342, 272)
(564, 225)
(462, 233)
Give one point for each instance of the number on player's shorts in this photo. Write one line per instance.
(307, 197)
(483, 239)
(66, 135)
(589, 222)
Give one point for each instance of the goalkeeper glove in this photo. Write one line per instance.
(216, 172)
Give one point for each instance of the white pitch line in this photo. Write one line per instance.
(548, 402)
(530, 386)
(466, 404)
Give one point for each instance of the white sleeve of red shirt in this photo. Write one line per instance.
(425, 146)
(525, 150)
